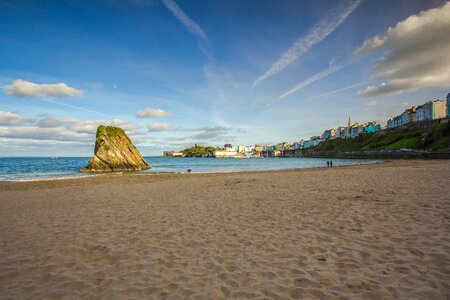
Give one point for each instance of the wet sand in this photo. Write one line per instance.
(361, 232)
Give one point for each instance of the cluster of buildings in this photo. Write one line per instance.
(431, 110)
(227, 151)
(350, 131)
(173, 154)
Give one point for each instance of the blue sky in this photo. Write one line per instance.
(173, 73)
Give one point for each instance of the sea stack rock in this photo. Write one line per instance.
(114, 152)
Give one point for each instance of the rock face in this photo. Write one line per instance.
(114, 151)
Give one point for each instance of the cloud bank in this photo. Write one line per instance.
(37, 133)
(11, 119)
(21, 88)
(49, 122)
(14, 126)
(188, 23)
(158, 127)
(320, 31)
(90, 126)
(416, 54)
(152, 113)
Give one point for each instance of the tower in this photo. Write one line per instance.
(349, 127)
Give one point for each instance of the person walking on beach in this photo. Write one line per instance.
(331, 163)
(328, 163)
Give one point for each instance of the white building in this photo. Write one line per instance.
(224, 154)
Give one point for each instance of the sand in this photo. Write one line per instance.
(361, 232)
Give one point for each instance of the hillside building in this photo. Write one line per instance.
(448, 105)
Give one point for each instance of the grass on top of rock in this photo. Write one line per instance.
(110, 131)
(436, 138)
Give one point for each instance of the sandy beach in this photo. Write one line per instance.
(361, 232)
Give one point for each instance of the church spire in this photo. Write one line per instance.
(349, 127)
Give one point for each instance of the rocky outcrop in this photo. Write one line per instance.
(114, 152)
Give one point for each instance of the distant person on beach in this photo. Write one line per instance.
(328, 163)
(331, 163)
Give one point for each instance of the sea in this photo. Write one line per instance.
(43, 168)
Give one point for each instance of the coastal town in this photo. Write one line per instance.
(433, 110)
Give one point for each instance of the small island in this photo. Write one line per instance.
(114, 152)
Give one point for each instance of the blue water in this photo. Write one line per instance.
(35, 168)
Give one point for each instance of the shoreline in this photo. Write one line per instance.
(82, 175)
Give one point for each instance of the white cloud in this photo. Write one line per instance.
(84, 126)
(213, 135)
(11, 119)
(320, 31)
(152, 113)
(41, 143)
(17, 131)
(158, 127)
(222, 129)
(21, 88)
(36, 133)
(330, 70)
(190, 24)
(49, 122)
(90, 126)
(216, 133)
(416, 54)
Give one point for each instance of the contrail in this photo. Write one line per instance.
(190, 24)
(74, 107)
(330, 70)
(192, 27)
(320, 31)
(338, 90)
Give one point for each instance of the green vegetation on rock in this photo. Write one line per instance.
(199, 151)
(110, 131)
(436, 138)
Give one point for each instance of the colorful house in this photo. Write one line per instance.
(372, 128)
(448, 105)
(340, 132)
(390, 123)
(438, 110)
(329, 134)
(424, 112)
(408, 116)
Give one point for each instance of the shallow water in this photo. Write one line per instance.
(37, 168)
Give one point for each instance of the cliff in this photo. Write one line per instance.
(114, 151)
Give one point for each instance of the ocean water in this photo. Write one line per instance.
(40, 168)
